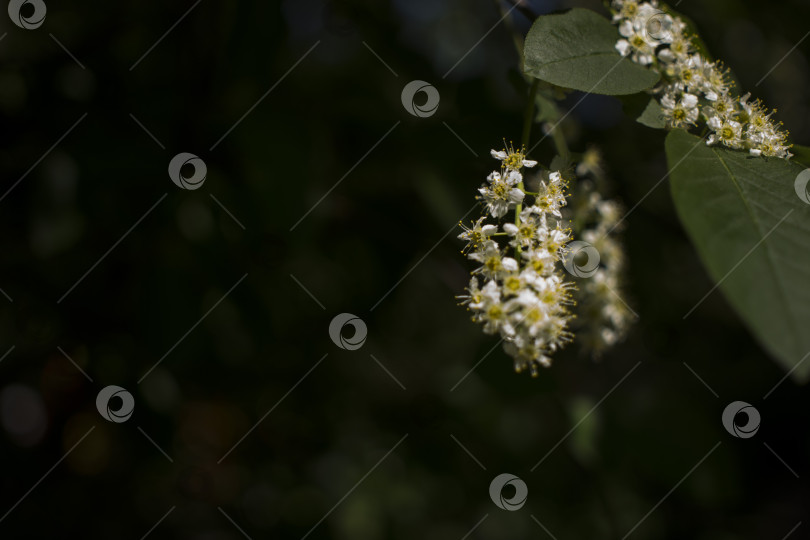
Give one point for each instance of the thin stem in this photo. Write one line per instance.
(517, 38)
(560, 143)
(528, 118)
(525, 10)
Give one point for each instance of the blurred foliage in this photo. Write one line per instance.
(383, 227)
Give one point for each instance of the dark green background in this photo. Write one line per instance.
(375, 227)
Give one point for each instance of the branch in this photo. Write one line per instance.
(523, 7)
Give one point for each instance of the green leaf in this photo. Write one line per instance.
(801, 154)
(752, 233)
(634, 104)
(653, 115)
(547, 110)
(577, 50)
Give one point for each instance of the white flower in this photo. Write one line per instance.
(635, 45)
(540, 261)
(714, 81)
(591, 162)
(762, 135)
(477, 234)
(524, 231)
(501, 195)
(770, 143)
(492, 312)
(541, 317)
(515, 282)
(528, 354)
(722, 107)
(680, 112)
(688, 72)
(657, 27)
(680, 47)
(474, 297)
(512, 160)
(553, 240)
(727, 132)
(626, 9)
(494, 264)
(754, 114)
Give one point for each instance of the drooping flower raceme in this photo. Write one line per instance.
(605, 316)
(694, 88)
(518, 290)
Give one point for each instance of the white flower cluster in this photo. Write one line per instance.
(694, 88)
(599, 302)
(518, 290)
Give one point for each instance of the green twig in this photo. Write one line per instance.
(528, 120)
(528, 117)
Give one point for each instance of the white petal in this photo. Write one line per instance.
(510, 264)
(666, 55)
(668, 102)
(514, 178)
(516, 195)
(510, 228)
(689, 100)
(498, 154)
(529, 163)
